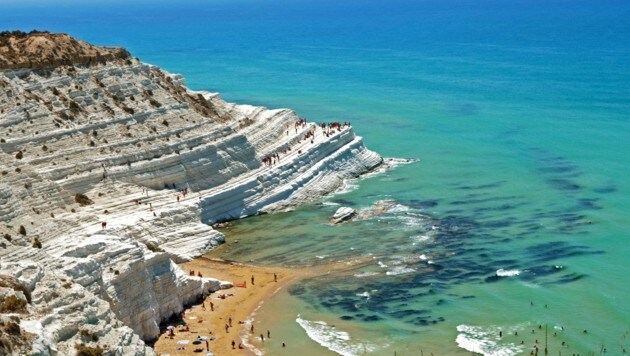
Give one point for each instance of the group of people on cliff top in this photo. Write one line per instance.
(327, 128)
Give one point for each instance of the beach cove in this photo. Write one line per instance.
(209, 319)
(237, 305)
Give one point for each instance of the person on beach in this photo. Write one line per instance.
(283, 344)
(207, 345)
(211, 306)
(230, 321)
(233, 344)
(275, 277)
(252, 279)
(240, 346)
(262, 338)
(227, 327)
(103, 225)
(251, 329)
(203, 305)
(268, 334)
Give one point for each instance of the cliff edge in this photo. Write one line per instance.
(112, 171)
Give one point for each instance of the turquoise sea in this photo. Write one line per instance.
(515, 219)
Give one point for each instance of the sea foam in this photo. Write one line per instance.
(485, 341)
(399, 270)
(507, 272)
(335, 340)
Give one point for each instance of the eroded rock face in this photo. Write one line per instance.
(130, 139)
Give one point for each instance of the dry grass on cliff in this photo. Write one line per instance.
(37, 49)
(13, 340)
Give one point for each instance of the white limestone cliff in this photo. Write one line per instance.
(129, 136)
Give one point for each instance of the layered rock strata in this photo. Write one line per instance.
(112, 171)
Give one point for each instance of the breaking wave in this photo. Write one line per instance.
(507, 272)
(399, 270)
(335, 340)
(485, 341)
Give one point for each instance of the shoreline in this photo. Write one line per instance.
(239, 304)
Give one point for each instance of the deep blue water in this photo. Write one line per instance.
(518, 110)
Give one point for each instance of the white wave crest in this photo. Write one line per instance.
(389, 164)
(485, 341)
(508, 272)
(366, 274)
(399, 270)
(399, 208)
(411, 221)
(347, 186)
(335, 340)
(420, 238)
(394, 162)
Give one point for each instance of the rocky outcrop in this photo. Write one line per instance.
(343, 214)
(113, 171)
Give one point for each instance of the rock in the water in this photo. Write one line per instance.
(343, 214)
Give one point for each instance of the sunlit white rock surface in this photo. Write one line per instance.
(131, 137)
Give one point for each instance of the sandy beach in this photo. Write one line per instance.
(238, 304)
